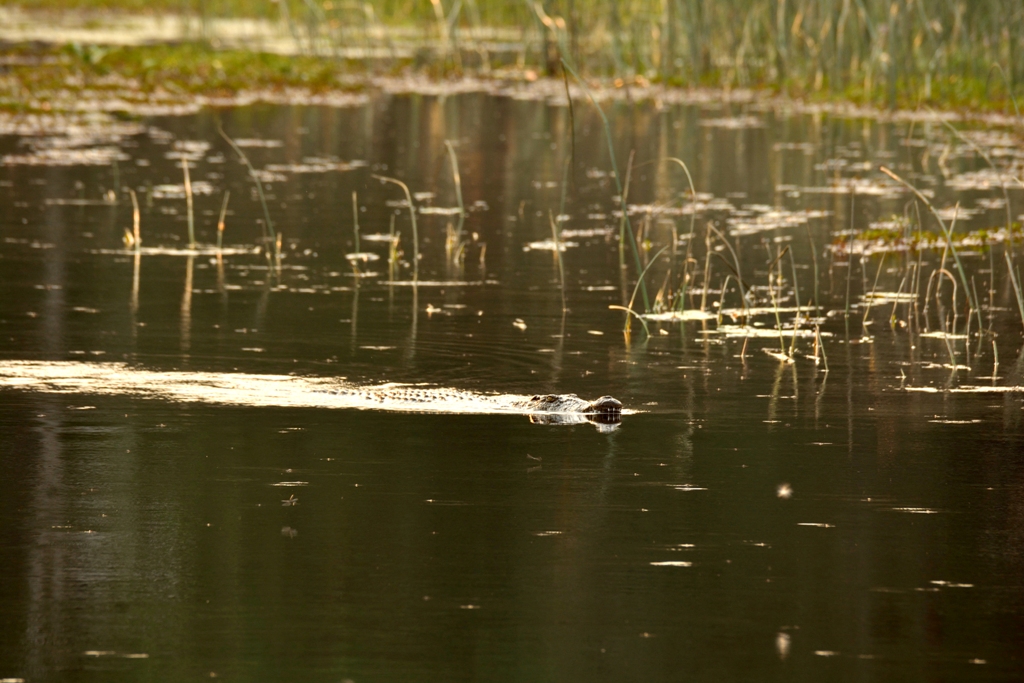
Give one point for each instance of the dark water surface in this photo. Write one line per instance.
(756, 520)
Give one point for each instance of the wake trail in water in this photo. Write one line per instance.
(257, 390)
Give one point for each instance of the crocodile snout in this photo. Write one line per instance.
(606, 408)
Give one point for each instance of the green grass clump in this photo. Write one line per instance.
(194, 67)
(178, 68)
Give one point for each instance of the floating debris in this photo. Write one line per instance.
(549, 245)
(733, 122)
(1014, 389)
(315, 165)
(58, 201)
(440, 210)
(587, 232)
(772, 219)
(768, 332)
(679, 316)
(888, 298)
(258, 143)
(198, 250)
(362, 257)
(172, 191)
(190, 150)
(439, 283)
(92, 156)
(861, 186)
(943, 335)
(982, 179)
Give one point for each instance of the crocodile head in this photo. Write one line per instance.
(606, 408)
(605, 413)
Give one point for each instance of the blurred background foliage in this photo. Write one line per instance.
(904, 52)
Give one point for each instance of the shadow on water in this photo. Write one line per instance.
(816, 476)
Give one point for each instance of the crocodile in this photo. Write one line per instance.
(541, 408)
(234, 388)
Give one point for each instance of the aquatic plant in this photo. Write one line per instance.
(268, 229)
(947, 233)
(454, 245)
(412, 219)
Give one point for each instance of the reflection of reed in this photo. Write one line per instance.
(262, 305)
(220, 276)
(392, 250)
(355, 308)
(220, 222)
(186, 307)
(134, 304)
(136, 236)
(277, 256)
(558, 356)
(773, 401)
(411, 346)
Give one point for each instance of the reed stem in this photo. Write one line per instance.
(412, 218)
(269, 225)
(188, 204)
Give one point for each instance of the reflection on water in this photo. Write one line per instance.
(821, 477)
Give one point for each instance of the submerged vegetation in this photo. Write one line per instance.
(903, 53)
